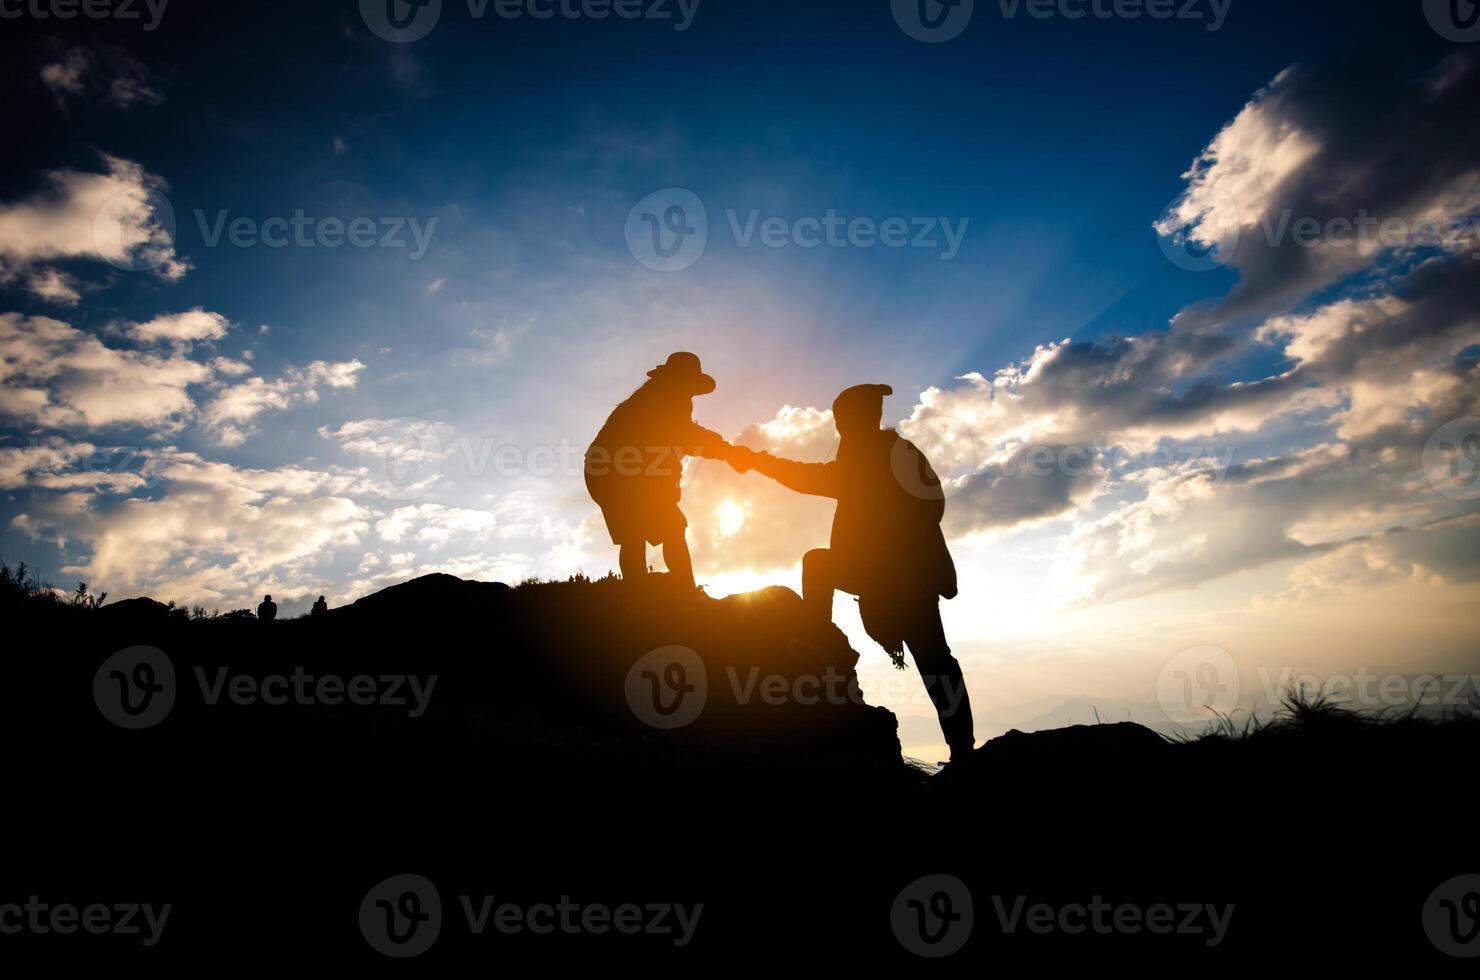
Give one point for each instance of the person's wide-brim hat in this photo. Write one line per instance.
(683, 370)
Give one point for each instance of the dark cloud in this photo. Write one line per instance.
(1387, 142)
(100, 73)
(1035, 483)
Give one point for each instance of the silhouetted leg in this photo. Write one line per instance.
(680, 564)
(943, 681)
(633, 559)
(818, 583)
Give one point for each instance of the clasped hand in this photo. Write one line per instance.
(742, 459)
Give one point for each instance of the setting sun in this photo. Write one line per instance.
(731, 516)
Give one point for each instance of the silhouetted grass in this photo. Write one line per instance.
(1302, 714)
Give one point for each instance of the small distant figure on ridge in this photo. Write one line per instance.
(634, 466)
(320, 609)
(267, 611)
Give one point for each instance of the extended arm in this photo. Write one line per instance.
(818, 479)
(700, 441)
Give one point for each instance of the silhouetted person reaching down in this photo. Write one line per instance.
(267, 611)
(319, 609)
(887, 547)
(634, 466)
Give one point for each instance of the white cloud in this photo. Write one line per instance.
(22, 466)
(54, 375)
(64, 77)
(406, 439)
(205, 546)
(119, 217)
(776, 527)
(1356, 567)
(1304, 150)
(435, 524)
(53, 286)
(181, 328)
(229, 367)
(494, 346)
(230, 413)
(215, 535)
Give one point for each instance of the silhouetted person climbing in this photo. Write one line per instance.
(267, 611)
(887, 547)
(319, 610)
(634, 466)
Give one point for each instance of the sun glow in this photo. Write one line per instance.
(731, 517)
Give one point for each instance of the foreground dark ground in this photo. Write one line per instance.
(531, 776)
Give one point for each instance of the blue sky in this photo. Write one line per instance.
(246, 443)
